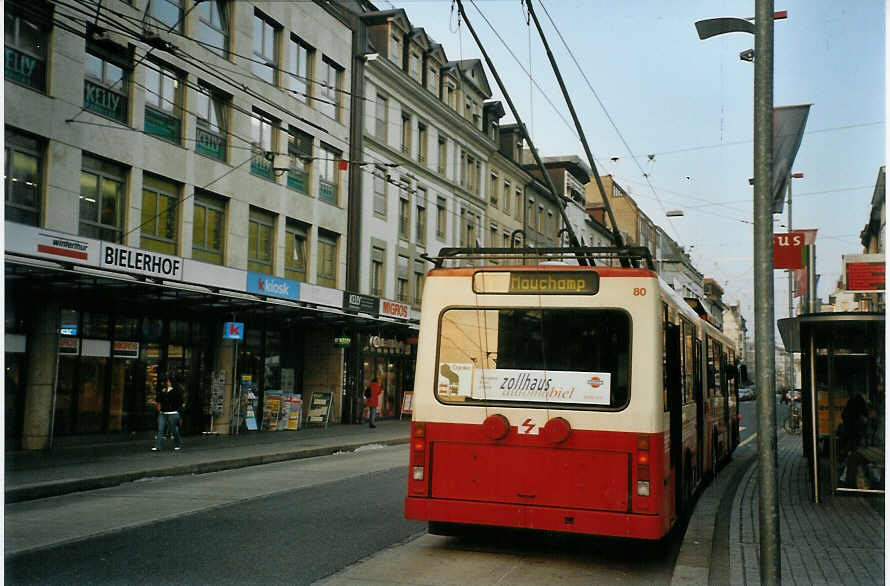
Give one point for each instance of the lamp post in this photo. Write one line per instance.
(764, 302)
(789, 380)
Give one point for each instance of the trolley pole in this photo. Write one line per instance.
(764, 301)
(789, 378)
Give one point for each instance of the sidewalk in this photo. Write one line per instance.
(34, 475)
(838, 541)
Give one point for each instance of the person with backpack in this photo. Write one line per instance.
(372, 400)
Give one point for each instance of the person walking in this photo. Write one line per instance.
(373, 402)
(169, 405)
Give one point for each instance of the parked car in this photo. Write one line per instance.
(747, 394)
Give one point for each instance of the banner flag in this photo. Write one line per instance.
(788, 125)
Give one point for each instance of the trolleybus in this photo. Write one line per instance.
(586, 399)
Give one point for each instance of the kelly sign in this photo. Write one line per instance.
(788, 250)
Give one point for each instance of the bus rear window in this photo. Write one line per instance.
(571, 358)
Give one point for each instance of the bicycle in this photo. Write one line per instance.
(793, 422)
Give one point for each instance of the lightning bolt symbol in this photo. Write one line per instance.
(528, 425)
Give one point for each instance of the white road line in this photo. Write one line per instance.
(748, 440)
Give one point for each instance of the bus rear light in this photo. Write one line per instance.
(643, 472)
(419, 430)
(643, 458)
(643, 443)
(496, 426)
(642, 488)
(419, 446)
(557, 430)
(417, 473)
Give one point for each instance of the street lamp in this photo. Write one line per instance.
(764, 303)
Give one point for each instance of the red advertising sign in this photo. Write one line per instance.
(788, 250)
(865, 276)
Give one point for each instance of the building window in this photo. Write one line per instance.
(329, 181)
(214, 28)
(25, 43)
(443, 156)
(260, 237)
(106, 84)
(419, 277)
(262, 138)
(518, 199)
(210, 133)
(101, 199)
(441, 217)
(327, 259)
(295, 251)
(406, 134)
(23, 174)
(381, 117)
(506, 196)
(162, 102)
(420, 220)
(380, 192)
(421, 143)
(493, 189)
(404, 216)
(493, 235)
(167, 12)
(330, 80)
(208, 228)
(377, 271)
(505, 240)
(299, 149)
(395, 50)
(160, 202)
(414, 66)
(265, 47)
(300, 69)
(432, 80)
(402, 286)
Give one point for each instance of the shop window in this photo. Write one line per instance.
(300, 60)
(178, 331)
(265, 47)
(160, 204)
(330, 81)
(25, 40)
(260, 236)
(106, 82)
(327, 259)
(211, 107)
(208, 228)
(96, 325)
(299, 149)
(295, 251)
(126, 327)
(329, 181)
(101, 199)
(262, 138)
(69, 322)
(213, 33)
(23, 175)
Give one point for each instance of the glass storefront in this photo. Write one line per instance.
(390, 360)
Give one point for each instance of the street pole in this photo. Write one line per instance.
(789, 379)
(764, 302)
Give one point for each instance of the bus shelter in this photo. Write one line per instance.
(842, 374)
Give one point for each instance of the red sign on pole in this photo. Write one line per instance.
(788, 250)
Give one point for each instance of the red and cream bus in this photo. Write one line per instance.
(554, 396)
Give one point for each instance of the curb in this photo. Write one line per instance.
(60, 487)
(693, 564)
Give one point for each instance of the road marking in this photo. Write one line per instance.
(748, 440)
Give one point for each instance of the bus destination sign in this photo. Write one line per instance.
(554, 282)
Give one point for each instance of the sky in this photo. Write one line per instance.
(677, 112)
